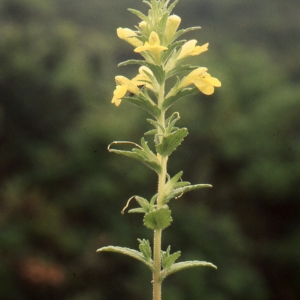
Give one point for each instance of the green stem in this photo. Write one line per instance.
(161, 187)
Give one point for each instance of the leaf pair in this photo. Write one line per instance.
(141, 153)
(168, 260)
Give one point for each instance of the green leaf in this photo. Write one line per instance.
(157, 71)
(129, 252)
(173, 183)
(171, 7)
(162, 22)
(181, 190)
(182, 93)
(166, 53)
(145, 206)
(171, 122)
(180, 68)
(132, 62)
(139, 14)
(156, 124)
(167, 259)
(144, 103)
(185, 265)
(142, 154)
(145, 249)
(158, 219)
(151, 132)
(136, 210)
(183, 31)
(170, 142)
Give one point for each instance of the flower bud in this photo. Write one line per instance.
(129, 36)
(143, 25)
(172, 25)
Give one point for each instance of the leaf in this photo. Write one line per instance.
(170, 142)
(180, 68)
(158, 219)
(181, 190)
(136, 210)
(139, 14)
(157, 71)
(144, 103)
(142, 154)
(145, 206)
(129, 252)
(183, 31)
(151, 132)
(156, 124)
(171, 122)
(145, 249)
(185, 265)
(182, 93)
(171, 7)
(167, 259)
(132, 62)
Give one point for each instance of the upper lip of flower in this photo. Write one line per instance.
(153, 45)
(129, 36)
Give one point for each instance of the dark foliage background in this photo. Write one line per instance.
(61, 192)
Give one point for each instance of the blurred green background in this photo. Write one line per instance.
(61, 192)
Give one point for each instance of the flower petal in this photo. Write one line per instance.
(129, 36)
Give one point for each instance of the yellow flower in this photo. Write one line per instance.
(119, 93)
(143, 25)
(124, 85)
(202, 80)
(152, 46)
(142, 78)
(129, 36)
(190, 49)
(172, 25)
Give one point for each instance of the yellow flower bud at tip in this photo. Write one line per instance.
(172, 25)
(143, 24)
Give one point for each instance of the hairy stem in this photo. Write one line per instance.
(160, 198)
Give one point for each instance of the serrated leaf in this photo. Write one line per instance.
(169, 260)
(129, 252)
(145, 249)
(181, 190)
(144, 103)
(182, 93)
(143, 203)
(143, 154)
(170, 142)
(158, 219)
(185, 265)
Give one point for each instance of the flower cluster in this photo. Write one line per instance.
(155, 40)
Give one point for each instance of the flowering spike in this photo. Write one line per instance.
(164, 57)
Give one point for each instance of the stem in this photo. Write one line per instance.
(160, 198)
